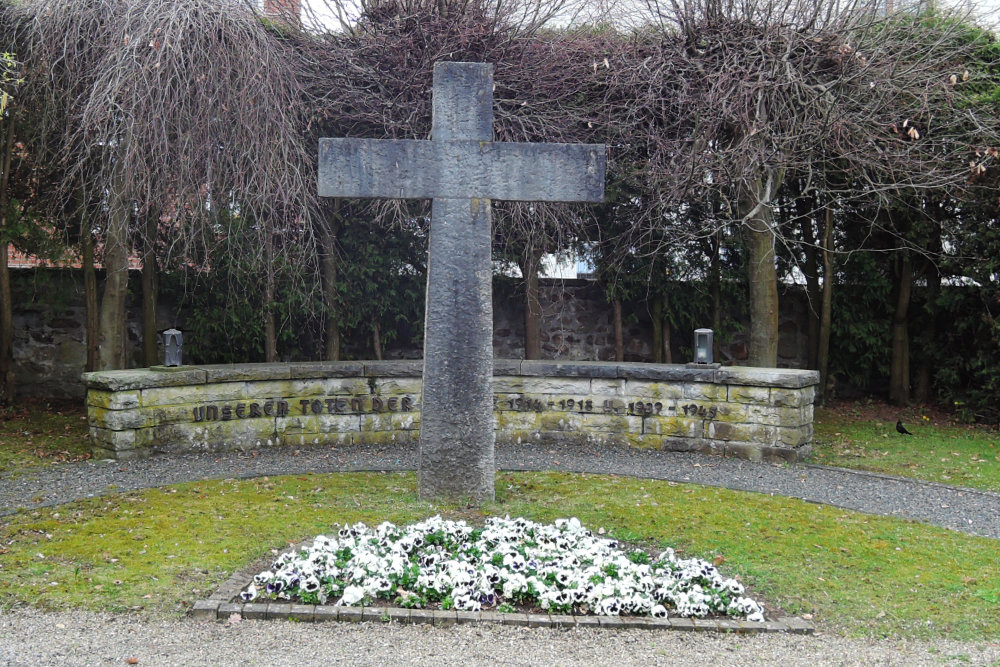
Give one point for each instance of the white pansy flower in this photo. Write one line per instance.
(352, 595)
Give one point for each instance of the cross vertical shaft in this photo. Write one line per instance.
(456, 415)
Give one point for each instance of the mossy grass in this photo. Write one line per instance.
(161, 549)
(938, 451)
(36, 433)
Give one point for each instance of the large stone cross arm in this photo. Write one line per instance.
(461, 169)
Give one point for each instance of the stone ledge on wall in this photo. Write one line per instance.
(746, 412)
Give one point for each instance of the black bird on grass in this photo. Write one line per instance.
(900, 428)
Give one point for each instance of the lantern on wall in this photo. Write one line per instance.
(172, 339)
(703, 346)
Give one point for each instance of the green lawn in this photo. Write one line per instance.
(937, 451)
(162, 549)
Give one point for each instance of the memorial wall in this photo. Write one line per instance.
(751, 413)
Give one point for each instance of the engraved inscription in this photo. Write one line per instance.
(305, 406)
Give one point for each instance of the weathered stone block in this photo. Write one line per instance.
(192, 395)
(684, 427)
(113, 400)
(652, 391)
(510, 421)
(216, 373)
(326, 369)
(749, 394)
(789, 398)
(506, 367)
(117, 420)
(704, 391)
(579, 369)
(744, 450)
(756, 433)
(406, 421)
(561, 421)
(557, 385)
(767, 377)
(603, 388)
(612, 424)
(676, 373)
(158, 376)
(116, 441)
(795, 436)
(390, 386)
(321, 424)
(508, 385)
(401, 438)
(402, 368)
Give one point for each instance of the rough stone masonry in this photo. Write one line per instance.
(461, 169)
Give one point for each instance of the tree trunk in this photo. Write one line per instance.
(6, 298)
(113, 353)
(922, 391)
(619, 334)
(270, 333)
(150, 351)
(758, 233)
(91, 327)
(899, 370)
(328, 270)
(532, 306)
(377, 340)
(826, 308)
(715, 291)
(658, 329)
(811, 270)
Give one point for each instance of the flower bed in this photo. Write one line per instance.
(560, 568)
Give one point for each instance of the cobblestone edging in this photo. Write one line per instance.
(219, 606)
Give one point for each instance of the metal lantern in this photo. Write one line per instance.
(703, 346)
(172, 339)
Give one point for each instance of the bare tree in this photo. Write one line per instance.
(731, 99)
(373, 78)
(163, 115)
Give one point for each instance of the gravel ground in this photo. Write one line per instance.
(966, 510)
(32, 637)
(36, 638)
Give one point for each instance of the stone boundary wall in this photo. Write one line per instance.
(752, 413)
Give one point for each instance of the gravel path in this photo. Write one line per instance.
(32, 637)
(966, 510)
(36, 638)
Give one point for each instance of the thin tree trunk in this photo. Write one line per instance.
(377, 340)
(922, 390)
(619, 335)
(328, 270)
(759, 235)
(6, 298)
(532, 305)
(150, 351)
(270, 334)
(811, 271)
(715, 291)
(112, 353)
(91, 328)
(826, 307)
(658, 329)
(899, 370)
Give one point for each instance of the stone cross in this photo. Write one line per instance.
(461, 169)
